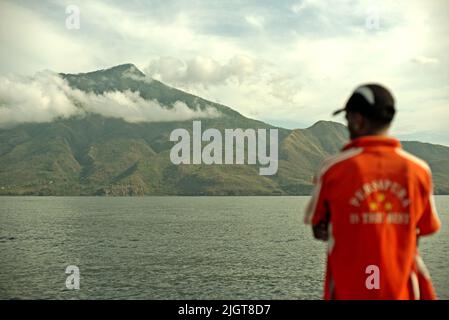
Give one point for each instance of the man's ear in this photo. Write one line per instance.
(359, 121)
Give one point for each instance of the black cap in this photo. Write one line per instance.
(372, 101)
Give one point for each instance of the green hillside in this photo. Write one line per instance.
(95, 155)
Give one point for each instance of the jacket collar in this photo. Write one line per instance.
(373, 141)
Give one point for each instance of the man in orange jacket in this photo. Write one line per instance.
(371, 203)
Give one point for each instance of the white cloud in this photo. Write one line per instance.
(304, 4)
(134, 73)
(47, 96)
(255, 21)
(30, 42)
(133, 108)
(298, 7)
(148, 35)
(203, 71)
(425, 60)
(40, 99)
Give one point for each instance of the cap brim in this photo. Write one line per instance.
(338, 111)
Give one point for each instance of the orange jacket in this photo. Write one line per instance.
(375, 200)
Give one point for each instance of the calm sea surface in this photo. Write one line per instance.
(172, 248)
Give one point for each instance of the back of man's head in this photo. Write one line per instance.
(374, 103)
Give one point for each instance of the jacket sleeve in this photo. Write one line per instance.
(428, 222)
(317, 209)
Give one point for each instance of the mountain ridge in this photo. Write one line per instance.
(97, 155)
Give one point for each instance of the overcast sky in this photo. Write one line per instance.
(289, 63)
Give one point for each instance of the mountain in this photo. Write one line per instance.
(98, 155)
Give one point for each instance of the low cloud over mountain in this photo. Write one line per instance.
(48, 96)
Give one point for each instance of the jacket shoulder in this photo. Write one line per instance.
(330, 162)
(413, 160)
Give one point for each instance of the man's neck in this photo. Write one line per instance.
(383, 133)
